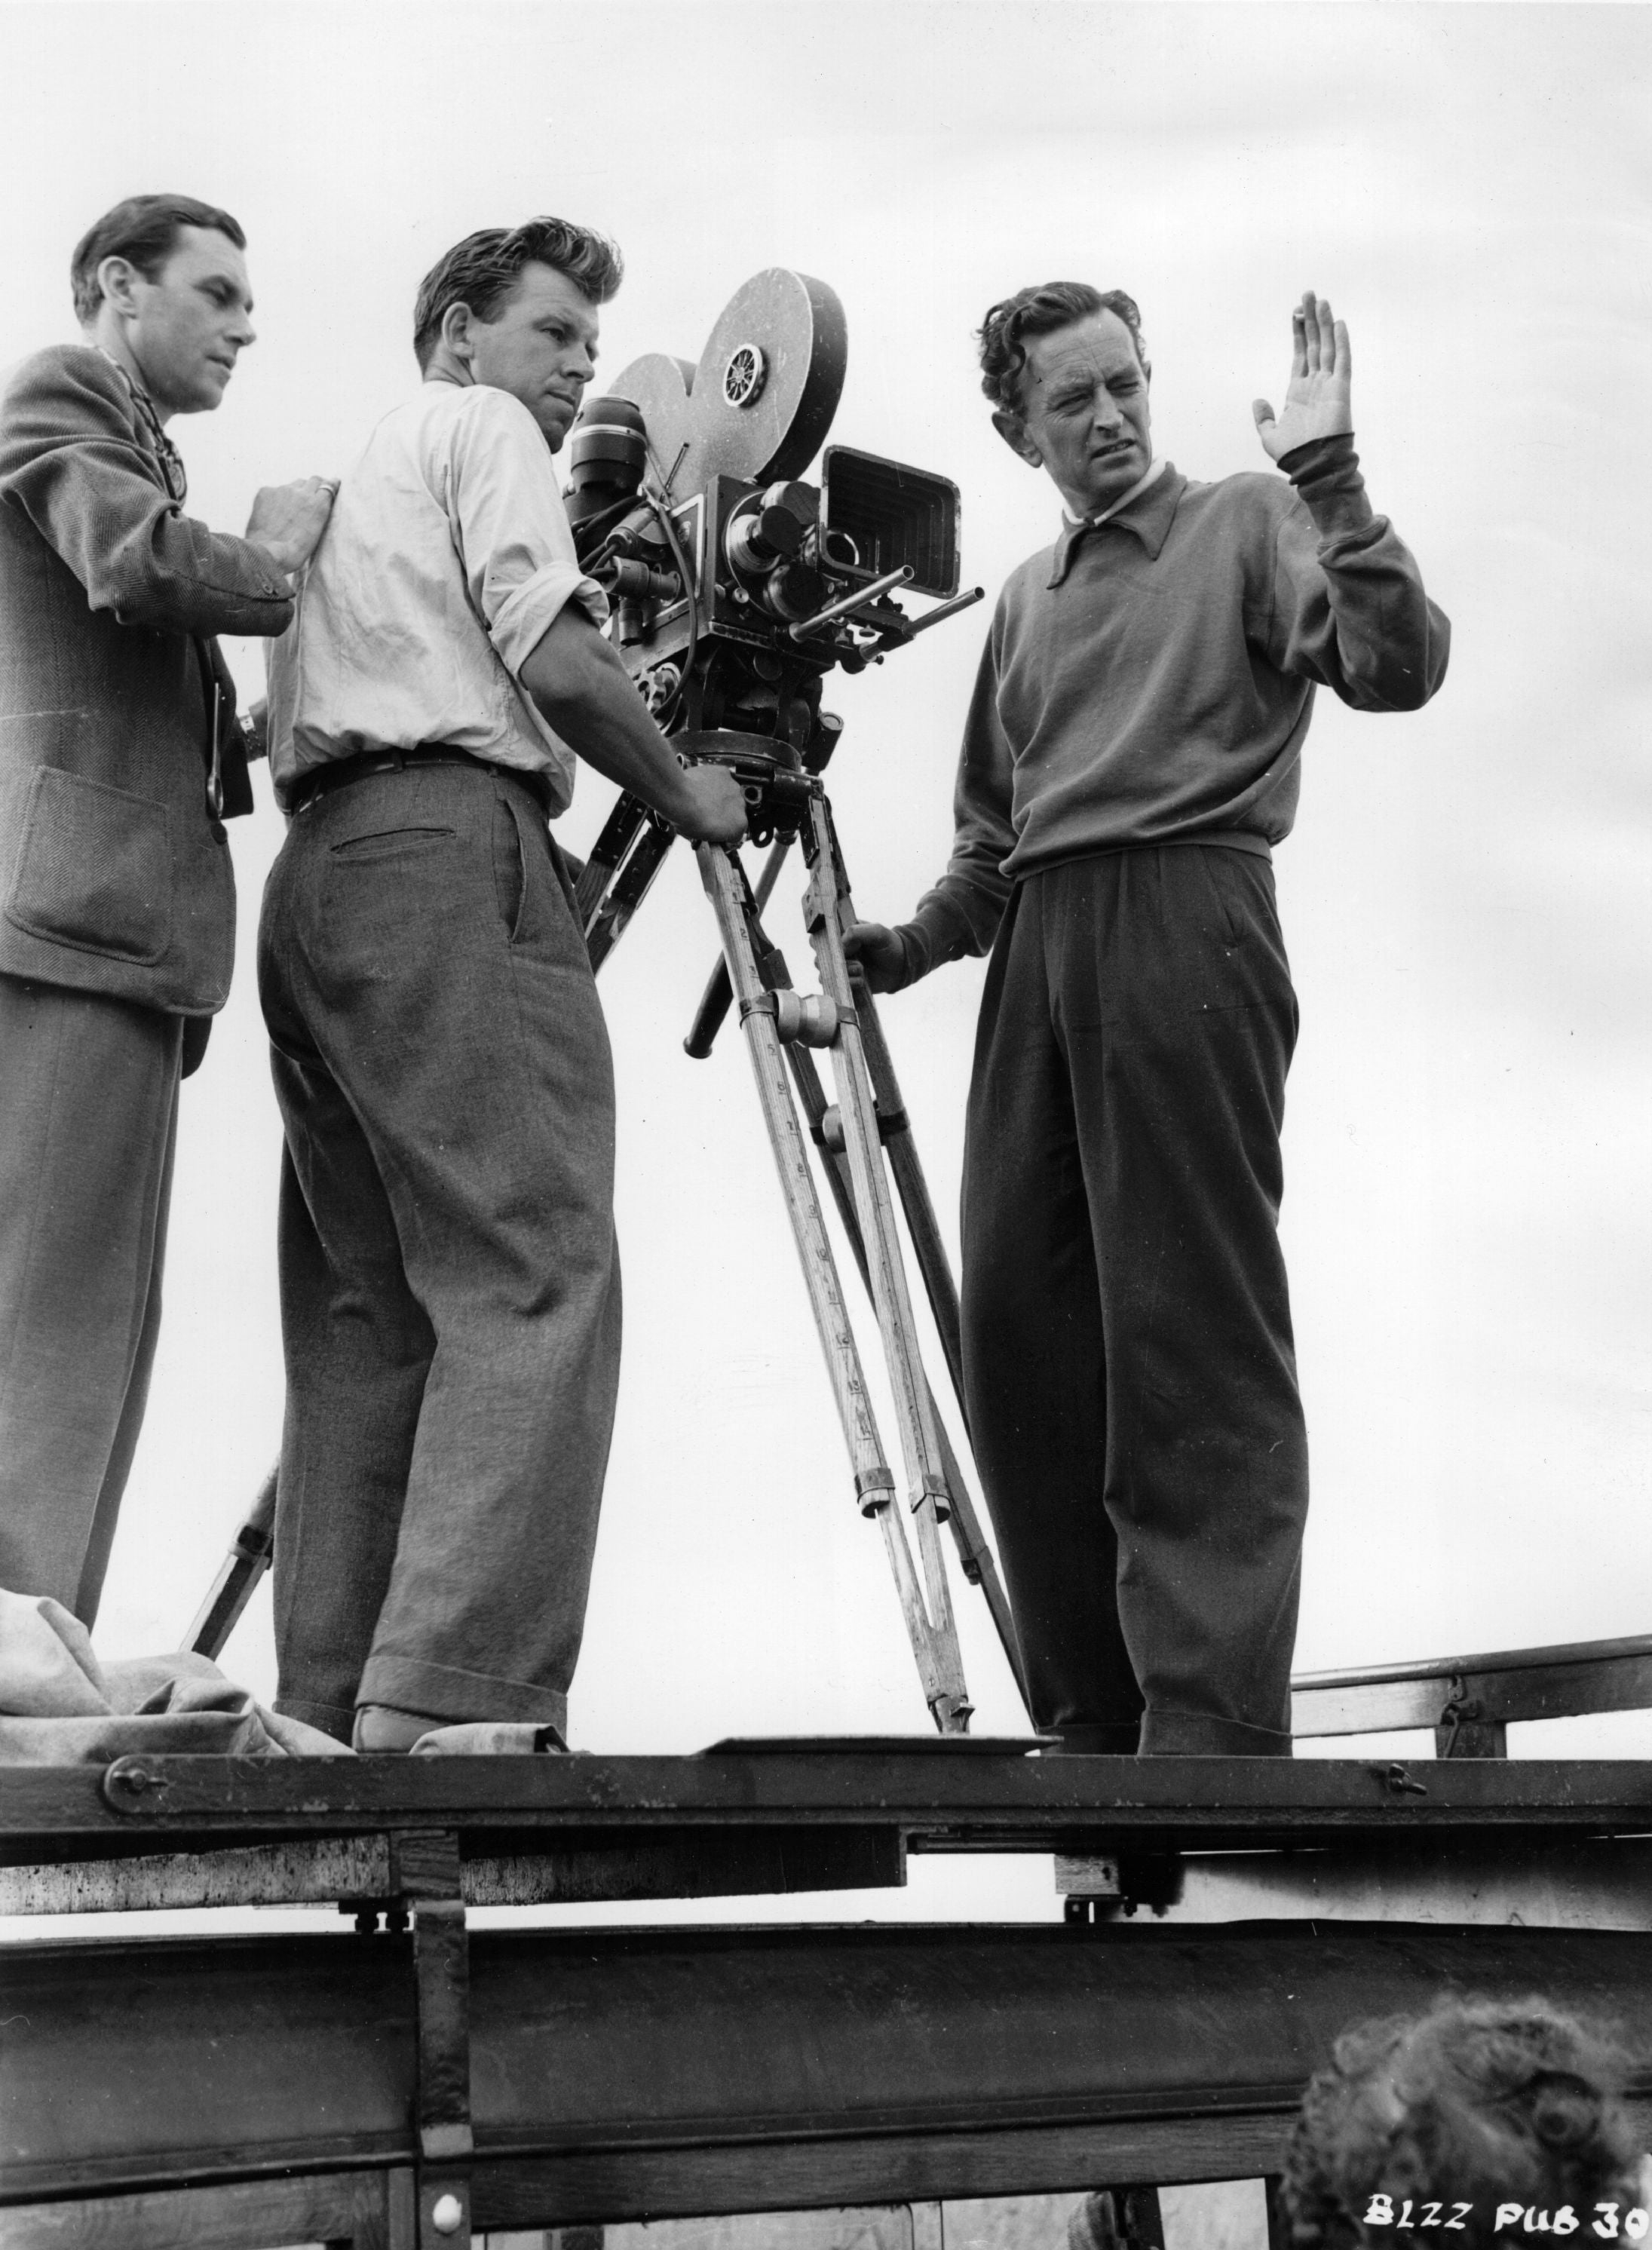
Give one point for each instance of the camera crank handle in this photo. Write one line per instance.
(713, 1001)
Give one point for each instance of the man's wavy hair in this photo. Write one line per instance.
(481, 272)
(145, 230)
(1002, 335)
(1478, 2101)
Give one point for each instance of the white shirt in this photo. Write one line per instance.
(1123, 500)
(445, 559)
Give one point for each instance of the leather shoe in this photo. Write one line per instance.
(381, 1727)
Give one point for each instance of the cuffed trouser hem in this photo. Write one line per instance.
(328, 1716)
(1185, 1734)
(445, 1694)
(1110, 1741)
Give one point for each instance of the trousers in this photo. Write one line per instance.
(1129, 1361)
(88, 1122)
(449, 1276)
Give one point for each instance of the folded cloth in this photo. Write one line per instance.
(59, 1706)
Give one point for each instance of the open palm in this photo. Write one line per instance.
(1318, 403)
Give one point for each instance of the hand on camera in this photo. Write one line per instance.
(287, 520)
(714, 807)
(1318, 403)
(880, 954)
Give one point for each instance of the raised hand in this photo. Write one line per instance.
(1318, 403)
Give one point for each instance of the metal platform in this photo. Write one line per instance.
(244, 2092)
(935, 1795)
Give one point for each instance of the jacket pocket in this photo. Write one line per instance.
(93, 868)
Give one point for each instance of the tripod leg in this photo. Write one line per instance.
(238, 1573)
(622, 824)
(626, 893)
(942, 1291)
(875, 1485)
(913, 1190)
(914, 1410)
(976, 1557)
(713, 1001)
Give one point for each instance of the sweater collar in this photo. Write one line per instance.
(1147, 516)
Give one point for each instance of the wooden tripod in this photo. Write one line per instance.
(780, 1030)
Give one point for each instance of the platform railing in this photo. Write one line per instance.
(1469, 1701)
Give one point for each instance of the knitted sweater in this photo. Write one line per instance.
(1149, 680)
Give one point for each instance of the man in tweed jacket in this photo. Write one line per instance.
(118, 756)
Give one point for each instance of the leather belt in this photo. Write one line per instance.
(340, 773)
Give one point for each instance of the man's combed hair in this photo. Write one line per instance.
(1478, 2101)
(145, 230)
(481, 272)
(1002, 337)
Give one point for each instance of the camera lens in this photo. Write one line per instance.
(607, 453)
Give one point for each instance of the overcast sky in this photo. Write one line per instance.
(1467, 897)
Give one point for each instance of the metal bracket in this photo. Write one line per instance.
(425, 1870)
(1464, 1728)
(1096, 1886)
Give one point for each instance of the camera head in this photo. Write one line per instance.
(736, 586)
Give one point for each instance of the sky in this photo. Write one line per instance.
(1468, 894)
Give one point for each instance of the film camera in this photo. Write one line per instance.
(736, 586)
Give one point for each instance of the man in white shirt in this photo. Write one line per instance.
(450, 1286)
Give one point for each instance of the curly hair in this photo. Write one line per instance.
(481, 272)
(145, 230)
(1001, 338)
(1483, 2102)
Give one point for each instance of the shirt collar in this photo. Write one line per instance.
(1147, 512)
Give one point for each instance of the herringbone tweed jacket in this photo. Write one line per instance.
(113, 878)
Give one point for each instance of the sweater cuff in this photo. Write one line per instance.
(938, 931)
(1326, 474)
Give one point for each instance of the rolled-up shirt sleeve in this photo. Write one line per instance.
(511, 530)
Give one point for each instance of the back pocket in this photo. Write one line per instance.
(93, 868)
(384, 843)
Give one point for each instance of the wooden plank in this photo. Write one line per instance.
(687, 2183)
(720, 1863)
(241, 2215)
(261, 1874)
(580, 2190)
(712, 1864)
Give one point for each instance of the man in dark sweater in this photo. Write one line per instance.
(120, 759)
(1130, 759)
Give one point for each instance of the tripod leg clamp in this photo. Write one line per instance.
(874, 1488)
(814, 1022)
(931, 1489)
